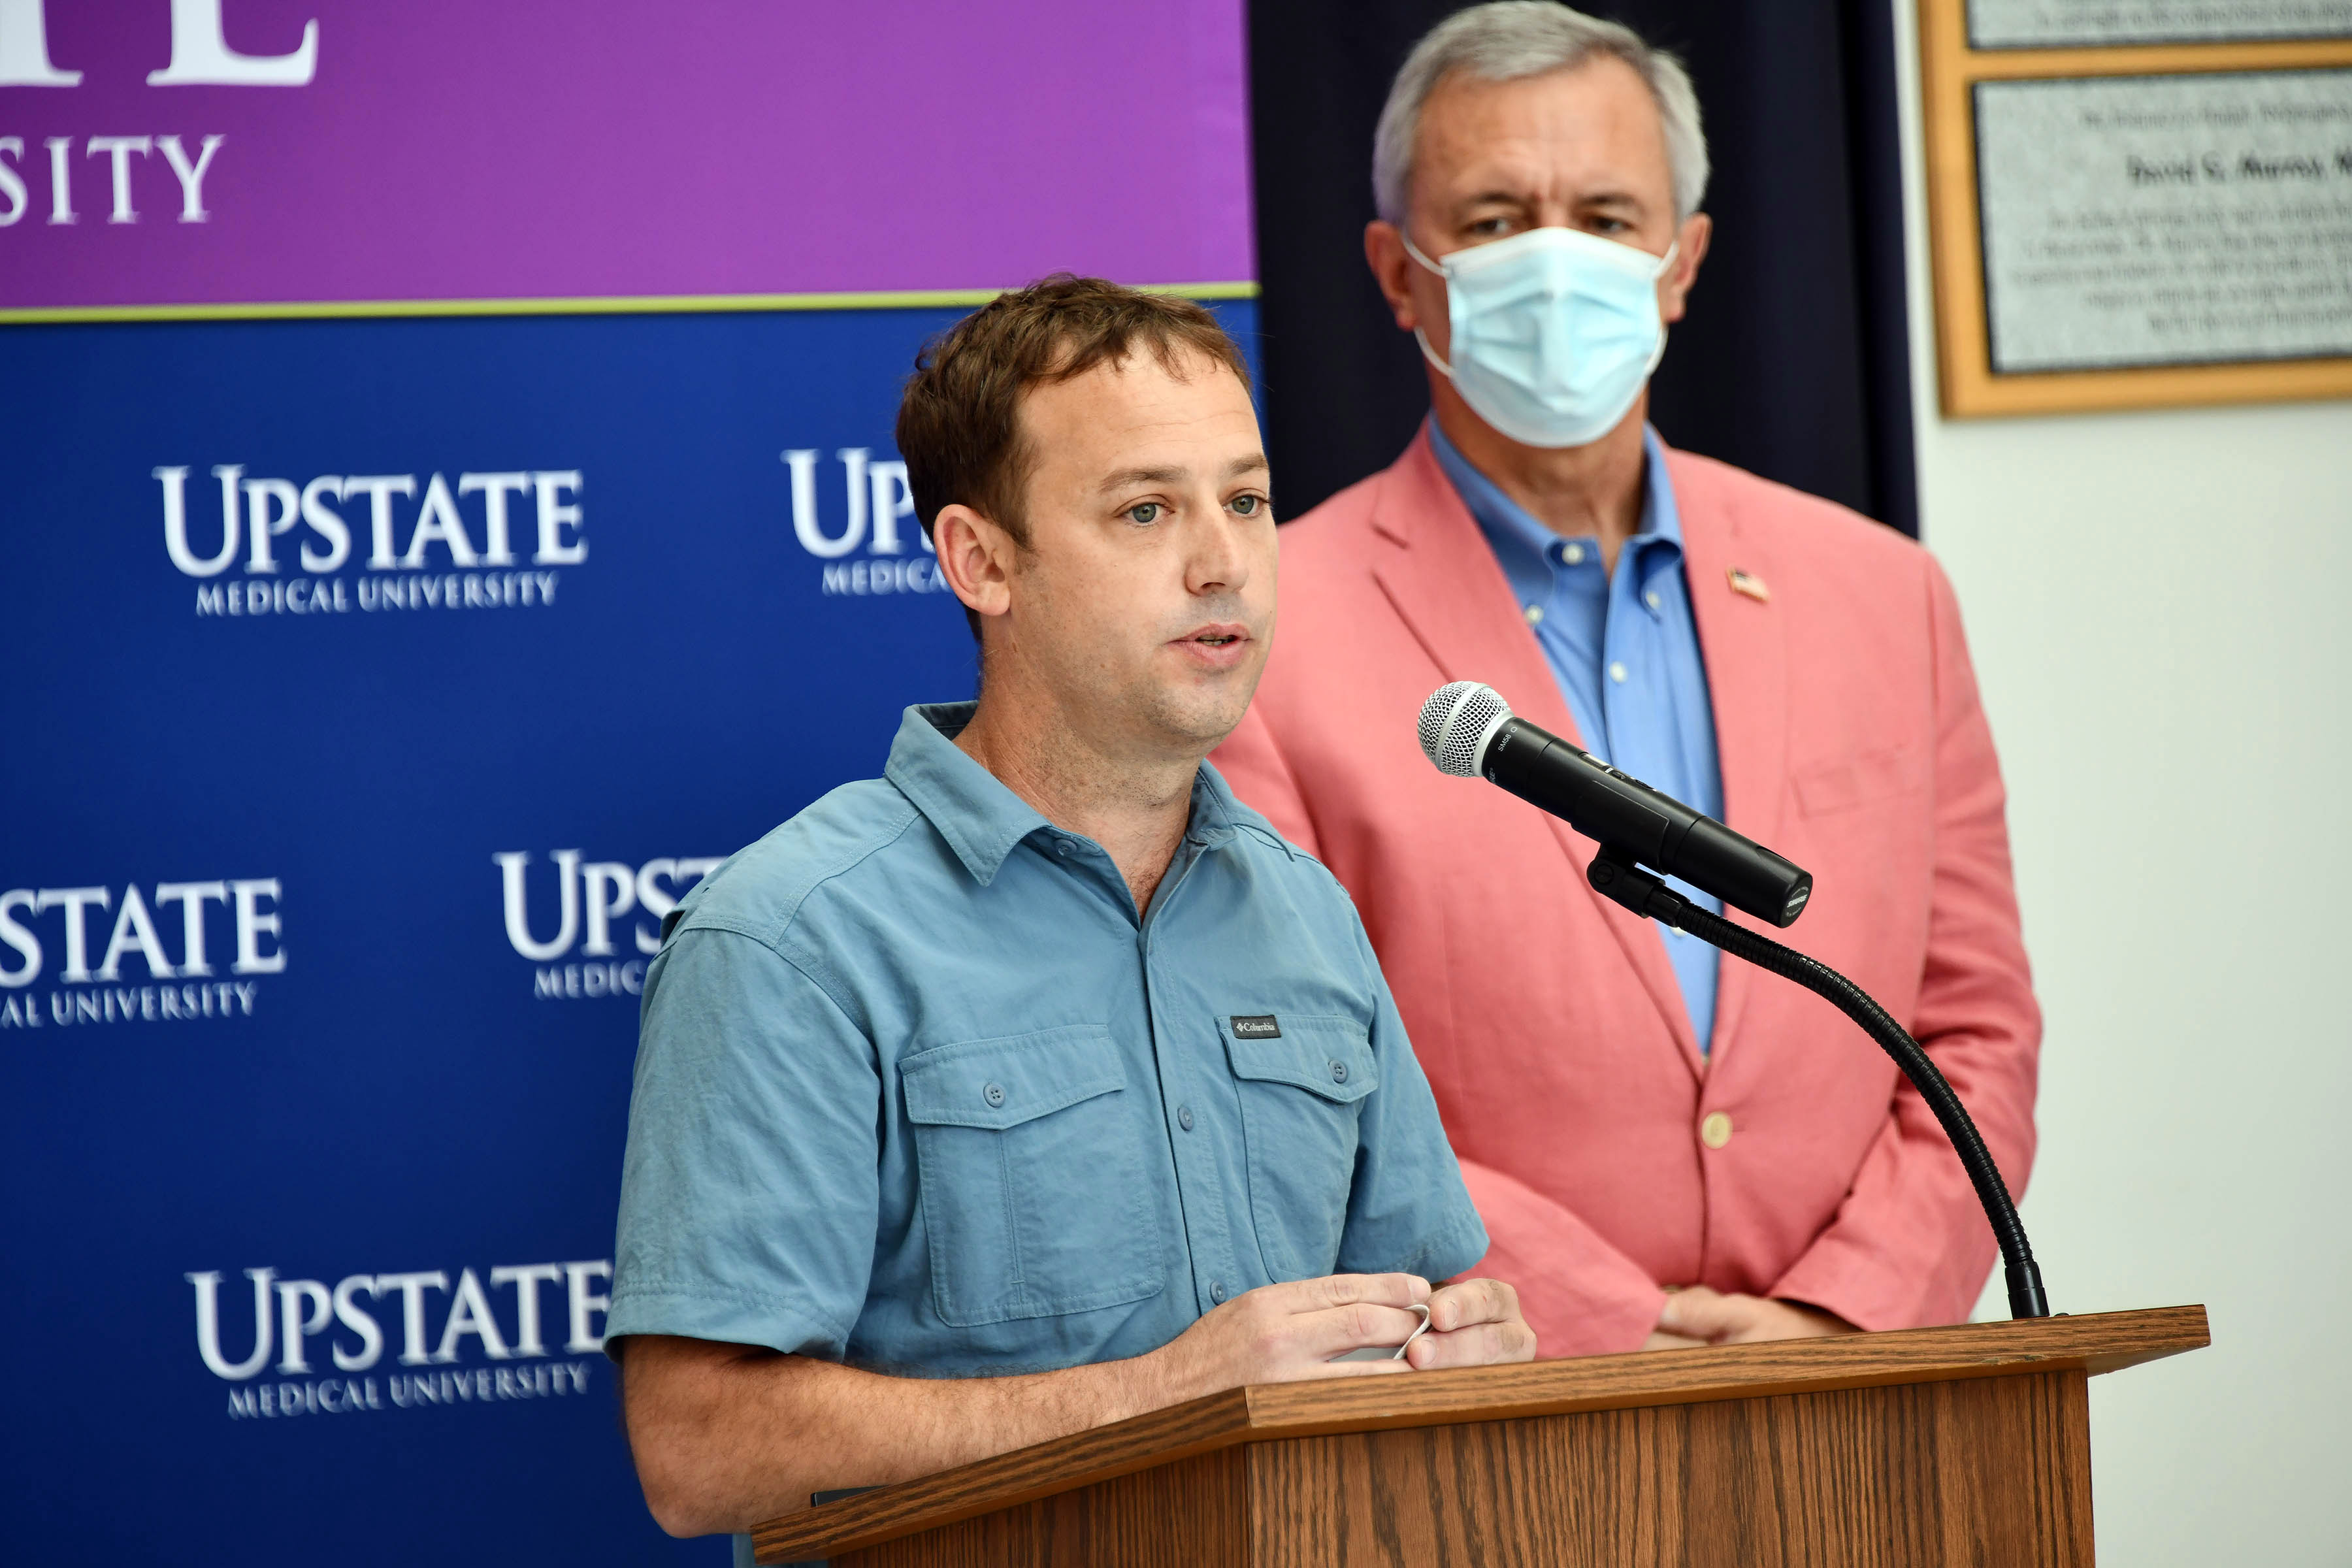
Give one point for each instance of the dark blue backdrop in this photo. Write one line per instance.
(395, 1087)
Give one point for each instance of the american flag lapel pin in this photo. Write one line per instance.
(1749, 584)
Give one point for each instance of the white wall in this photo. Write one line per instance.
(2159, 605)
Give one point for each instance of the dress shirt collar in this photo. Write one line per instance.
(980, 819)
(1524, 545)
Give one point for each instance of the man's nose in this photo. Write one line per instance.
(1219, 562)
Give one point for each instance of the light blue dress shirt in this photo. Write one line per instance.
(1626, 654)
(917, 1090)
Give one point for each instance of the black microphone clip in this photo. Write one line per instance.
(1616, 878)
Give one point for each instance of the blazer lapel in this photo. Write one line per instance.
(1440, 574)
(1743, 641)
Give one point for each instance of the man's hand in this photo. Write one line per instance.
(1699, 1316)
(1473, 1322)
(1281, 1333)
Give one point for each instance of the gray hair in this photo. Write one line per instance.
(1510, 40)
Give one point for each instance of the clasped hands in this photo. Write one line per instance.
(1695, 1315)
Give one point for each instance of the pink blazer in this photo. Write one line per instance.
(1548, 1020)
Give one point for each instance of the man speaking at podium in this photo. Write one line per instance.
(1666, 1147)
(1037, 1083)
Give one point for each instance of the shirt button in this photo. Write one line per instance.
(1217, 1290)
(994, 1094)
(1184, 1117)
(1338, 1072)
(1061, 846)
(1716, 1130)
(1653, 599)
(1617, 670)
(1572, 554)
(1535, 615)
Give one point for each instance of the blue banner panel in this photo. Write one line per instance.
(371, 690)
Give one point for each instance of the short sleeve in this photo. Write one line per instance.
(1408, 1210)
(748, 1194)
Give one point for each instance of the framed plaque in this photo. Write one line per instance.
(2131, 226)
(2061, 23)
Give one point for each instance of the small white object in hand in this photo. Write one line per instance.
(1381, 1353)
(1420, 1329)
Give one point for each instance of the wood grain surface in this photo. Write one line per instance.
(1993, 1471)
(2088, 1344)
(1176, 1515)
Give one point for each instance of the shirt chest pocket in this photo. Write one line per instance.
(1302, 1096)
(1029, 1153)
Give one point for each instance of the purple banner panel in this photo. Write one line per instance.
(244, 153)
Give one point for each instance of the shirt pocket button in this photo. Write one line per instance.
(1338, 1072)
(994, 1094)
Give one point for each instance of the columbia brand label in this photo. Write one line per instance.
(1261, 1026)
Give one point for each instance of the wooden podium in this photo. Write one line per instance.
(1962, 1446)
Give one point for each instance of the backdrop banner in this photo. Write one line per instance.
(243, 152)
(376, 686)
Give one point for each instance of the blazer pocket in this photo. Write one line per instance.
(1302, 1099)
(1029, 1157)
(1845, 783)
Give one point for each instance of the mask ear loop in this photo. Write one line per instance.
(1418, 335)
(1665, 264)
(1431, 354)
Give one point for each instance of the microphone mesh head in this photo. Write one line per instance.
(1456, 722)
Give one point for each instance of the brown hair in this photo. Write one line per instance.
(959, 423)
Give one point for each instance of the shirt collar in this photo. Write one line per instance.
(1522, 543)
(982, 819)
(1213, 808)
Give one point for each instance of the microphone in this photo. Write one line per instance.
(1468, 730)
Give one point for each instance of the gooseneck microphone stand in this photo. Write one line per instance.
(1615, 875)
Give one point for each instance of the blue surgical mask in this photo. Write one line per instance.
(1554, 332)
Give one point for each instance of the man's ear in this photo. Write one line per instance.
(976, 558)
(1392, 269)
(1690, 249)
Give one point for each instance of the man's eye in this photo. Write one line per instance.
(1249, 506)
(1146, 512)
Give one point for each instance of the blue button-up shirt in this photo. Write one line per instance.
(1625, 653)
(918, 1090)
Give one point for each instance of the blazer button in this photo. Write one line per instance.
(1716, 1130)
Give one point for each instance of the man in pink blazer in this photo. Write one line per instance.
(1767, 656)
